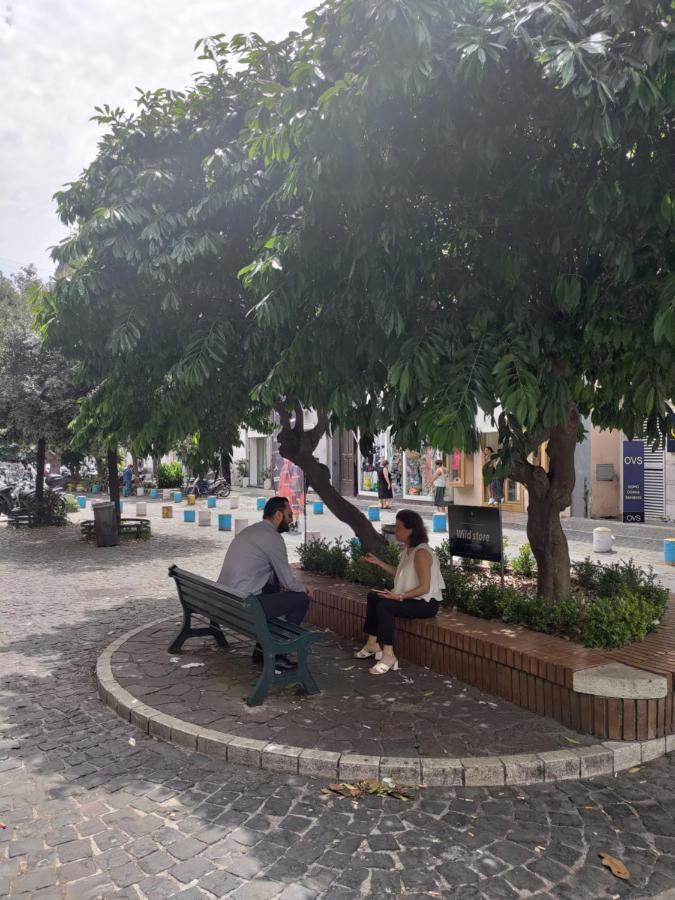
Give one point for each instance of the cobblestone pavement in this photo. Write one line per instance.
(93, 808)
(407, 713)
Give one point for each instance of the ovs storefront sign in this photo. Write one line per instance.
(633, 481)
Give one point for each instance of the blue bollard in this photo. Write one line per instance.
(260, 503)
(669, 551)
(81, 501)
(95, 489)
(225, 522)
(154, 493)
(177, 497)
(440, 522)
(211, 502)
(373, 513)
(121, 506)
(189, 515)
(317, 507)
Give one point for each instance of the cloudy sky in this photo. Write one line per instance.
(58, 60)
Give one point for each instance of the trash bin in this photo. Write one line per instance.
(105, 524)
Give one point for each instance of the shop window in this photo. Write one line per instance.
(460, 469)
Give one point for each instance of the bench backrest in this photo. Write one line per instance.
(223, 605)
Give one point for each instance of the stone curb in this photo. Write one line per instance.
(610, 757)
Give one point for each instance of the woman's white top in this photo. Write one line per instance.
(406, 577)
(440, 480)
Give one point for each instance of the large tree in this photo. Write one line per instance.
(478, 214)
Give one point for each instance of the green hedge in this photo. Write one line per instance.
(169, 475)
(610, 606)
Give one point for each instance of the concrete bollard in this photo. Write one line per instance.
(239, 525)
(373, 513)
(313, 536)
(234, 502)
(204, 518)
(140, 492)
(167, 512)
(154, 493)
(189, 515)
(95, 489)
(141, 509)
(669, 551)
(317, 507)
(440, 523)
(602, 540)
(260, 503)
(224, 522)
(178, 497)
(191, 499)
(121, 506)
(211, 502)
(81, 501)
(166, 496)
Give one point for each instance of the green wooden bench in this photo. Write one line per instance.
(17, 519)
(225, 608)
(138, 528)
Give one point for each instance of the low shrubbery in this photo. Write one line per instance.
(610, 605)
(169, 475)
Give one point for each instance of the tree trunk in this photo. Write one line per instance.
(114, 482)
(40, 476)
(299, 445)
(549, 494)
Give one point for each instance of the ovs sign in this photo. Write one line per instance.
(633, 481)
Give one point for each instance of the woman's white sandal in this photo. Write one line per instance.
(367, 654)
(381, 668)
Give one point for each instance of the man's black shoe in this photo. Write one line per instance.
(281, 664)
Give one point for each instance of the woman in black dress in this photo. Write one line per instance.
(384, 489)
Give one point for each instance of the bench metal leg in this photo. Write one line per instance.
(304, 675)
(187, 631)
(265, 681)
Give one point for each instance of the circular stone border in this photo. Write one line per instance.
(572, 764)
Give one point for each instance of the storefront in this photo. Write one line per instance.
(411, 471)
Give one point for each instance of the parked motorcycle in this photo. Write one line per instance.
(204, 487)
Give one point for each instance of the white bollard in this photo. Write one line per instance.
(239, 525)
(602, 540)
(234, 502)
(141, 509)
(203, 518)
(140, 492)
(313, 536)
(166, 495)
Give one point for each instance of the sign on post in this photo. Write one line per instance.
(633, 465)
(475, 532)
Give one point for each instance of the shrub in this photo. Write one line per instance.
(458, 587)
(169, 475)
(471, 565)
(584, 573)
(484, 600)
(619, 620)
(324, 557)
(71, 503)
(497, 566)
(523, 563)
(372, 576)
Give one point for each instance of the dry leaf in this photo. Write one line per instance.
(427, 693)
(635, 769)
(348, 669)
(615, 866)
(571, 740)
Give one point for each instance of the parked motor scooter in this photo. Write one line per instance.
(204, 487)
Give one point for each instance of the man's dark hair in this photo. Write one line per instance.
(273, 506)
(415, 523)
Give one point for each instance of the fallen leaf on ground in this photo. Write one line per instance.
(379, 788)
(348, 669)
(132, 742)
(635, 769)
(427, 693)
(615, 866)
(571, 740)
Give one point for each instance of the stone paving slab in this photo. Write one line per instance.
(410, 713)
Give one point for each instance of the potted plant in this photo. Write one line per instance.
(242, 469)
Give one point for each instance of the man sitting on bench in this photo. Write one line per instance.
(256, 562)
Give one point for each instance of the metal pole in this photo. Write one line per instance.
(304, 505)
(501, 543)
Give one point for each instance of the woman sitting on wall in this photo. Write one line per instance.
(417, 592)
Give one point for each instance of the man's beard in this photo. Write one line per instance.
(283, 526)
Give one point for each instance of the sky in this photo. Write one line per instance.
(58, 60)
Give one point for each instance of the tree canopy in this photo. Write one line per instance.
(410, 211)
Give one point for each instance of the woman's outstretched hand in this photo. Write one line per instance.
(372, 559)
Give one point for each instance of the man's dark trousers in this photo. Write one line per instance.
(289, 605)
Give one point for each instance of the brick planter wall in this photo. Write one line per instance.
(532, 670)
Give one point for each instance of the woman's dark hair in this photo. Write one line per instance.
(412, 520)
(439, 462)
